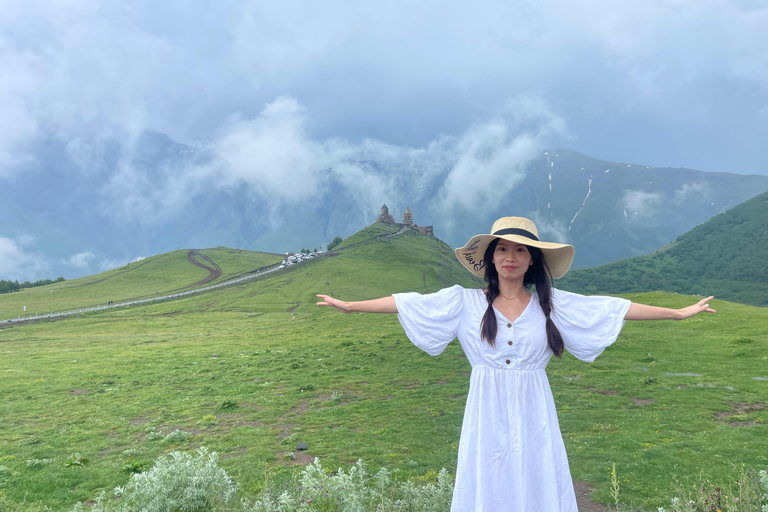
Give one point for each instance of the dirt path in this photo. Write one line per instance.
(214, 272)
(583, 490)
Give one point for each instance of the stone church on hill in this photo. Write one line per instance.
(386, 218)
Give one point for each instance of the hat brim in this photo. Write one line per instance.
(559, 257)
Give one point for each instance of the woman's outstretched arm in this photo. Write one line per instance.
(382, 305)
(643, 312)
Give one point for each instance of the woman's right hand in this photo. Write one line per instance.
(340, 305)
(382, 305)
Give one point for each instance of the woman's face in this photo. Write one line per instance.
(511, 260)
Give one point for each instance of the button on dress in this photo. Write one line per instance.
(511, 454)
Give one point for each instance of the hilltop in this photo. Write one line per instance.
(724, 257)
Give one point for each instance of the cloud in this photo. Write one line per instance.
(81, 260)
(550, 229)
(274, 155)
(689, 191)
(638, 203)
(491, 157)
(387, 71)
(17, 264)
(105, 265)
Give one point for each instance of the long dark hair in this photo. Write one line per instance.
(538, 276)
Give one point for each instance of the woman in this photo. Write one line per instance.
(511, 453)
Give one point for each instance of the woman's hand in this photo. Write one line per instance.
(382, 305)
(340, 305)
(699, 307)
(645, 312)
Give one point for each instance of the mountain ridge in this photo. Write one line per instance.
(87, 208)
(722, 257)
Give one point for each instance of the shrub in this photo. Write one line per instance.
(749, 494)
(176, 437)
(356, 491)
(177, 481)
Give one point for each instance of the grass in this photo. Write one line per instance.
(251, 370)
(150, 277)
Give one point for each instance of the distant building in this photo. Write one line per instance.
(408, 217)
(427, 230)
(386, 218)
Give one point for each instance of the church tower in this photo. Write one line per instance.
(408, 217)
(385, 217)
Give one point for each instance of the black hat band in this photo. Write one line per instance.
(516, 231)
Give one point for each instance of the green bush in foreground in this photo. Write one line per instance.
(177, 481)
(195, 483)
(181, 481)
(356, 491)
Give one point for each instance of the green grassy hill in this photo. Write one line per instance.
(150, 277)
(252, 369)
(725, 257)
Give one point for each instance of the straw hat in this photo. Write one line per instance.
(559, 257)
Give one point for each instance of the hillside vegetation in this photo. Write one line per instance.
(150, 277)
(251, 370)
(725, 257)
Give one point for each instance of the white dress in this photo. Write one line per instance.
(511, 454)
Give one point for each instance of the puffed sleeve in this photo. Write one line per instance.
(588, 324)
(431, 321)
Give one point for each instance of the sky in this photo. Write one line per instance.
(297, 85)
(657, 82)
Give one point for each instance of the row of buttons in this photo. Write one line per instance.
(509, 342)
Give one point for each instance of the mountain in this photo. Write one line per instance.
(724, 257)
(89, 205)
(610, 211)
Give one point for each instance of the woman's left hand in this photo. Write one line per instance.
(700, 307)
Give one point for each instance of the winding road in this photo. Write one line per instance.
(213, 272)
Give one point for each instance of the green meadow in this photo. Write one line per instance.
(252, 369)
(151, 277)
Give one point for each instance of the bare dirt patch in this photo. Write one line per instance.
(608, 392)
(742, 424)
(79, 392)
(300, 459)
(642, 401)
(583, 502)
(285, 431)
(232, 420)
(404, 384)
(141, 420)
(441, 383)
(740, 409)
(299, 409)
